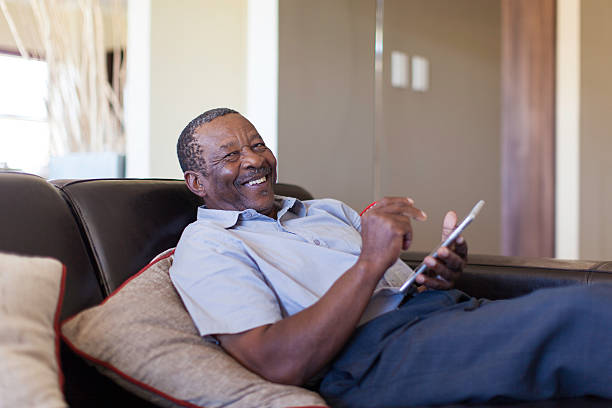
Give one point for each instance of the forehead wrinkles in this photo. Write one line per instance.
(228, 127)
(239, 141)
(217, 140)
(225, 137)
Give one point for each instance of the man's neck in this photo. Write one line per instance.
(273, 213)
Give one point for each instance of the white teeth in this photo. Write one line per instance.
(258, 181)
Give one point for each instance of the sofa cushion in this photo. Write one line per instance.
(31, 292)
(143, 338)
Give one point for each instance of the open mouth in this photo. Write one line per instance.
(255, 178)
(258, 181)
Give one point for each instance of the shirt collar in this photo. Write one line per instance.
(229, 218)
(291, 204)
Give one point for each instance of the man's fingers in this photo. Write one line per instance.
(450, 259)
(415, 213)
(442, 272)
(433, 283)
(448, 267)
(400, 205)
(449, 224)
(461, 247)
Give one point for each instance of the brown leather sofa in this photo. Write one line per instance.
(104, 231)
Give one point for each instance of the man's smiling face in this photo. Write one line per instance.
(240, 169)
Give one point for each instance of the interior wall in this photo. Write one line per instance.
(326, 97)
(207, 70)
(596, 130)
(442, 147)
(21, 14)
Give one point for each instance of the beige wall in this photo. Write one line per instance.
(326, 97)
(22, 16)
(198, 62)
(596, 130)
(442, 147)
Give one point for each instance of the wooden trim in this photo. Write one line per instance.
(528, 127)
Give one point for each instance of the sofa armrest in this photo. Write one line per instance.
(502, 277)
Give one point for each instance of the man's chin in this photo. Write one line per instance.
(259, 197)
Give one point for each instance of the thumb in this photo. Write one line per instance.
(449, 224)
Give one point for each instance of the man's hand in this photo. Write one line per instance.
(386, 229)
(445, 270)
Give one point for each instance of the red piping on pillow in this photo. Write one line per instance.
(146, 386)
(56, 327)
(121, 373)
(125, 283)
(137, 274)
(127, 377)
(113, 368)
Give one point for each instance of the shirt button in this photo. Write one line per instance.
(317, 242)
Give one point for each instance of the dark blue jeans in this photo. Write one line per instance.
(444, 347)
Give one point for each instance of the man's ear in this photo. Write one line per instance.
(195, 183)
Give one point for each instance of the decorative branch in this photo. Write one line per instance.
(13, 29)
(85, 111)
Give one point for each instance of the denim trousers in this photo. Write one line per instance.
(443, 347)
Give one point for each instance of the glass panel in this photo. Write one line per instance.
(24, 87)
(24, 145)
(24, 131)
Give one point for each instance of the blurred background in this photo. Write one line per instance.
(445, 101)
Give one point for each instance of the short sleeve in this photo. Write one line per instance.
(220, 285)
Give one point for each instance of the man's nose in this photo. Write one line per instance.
(250, 158)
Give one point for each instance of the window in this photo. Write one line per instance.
(24, 128)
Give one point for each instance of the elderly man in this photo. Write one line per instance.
(290, 290)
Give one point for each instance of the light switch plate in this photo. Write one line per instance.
(420, 74)
(399, 69)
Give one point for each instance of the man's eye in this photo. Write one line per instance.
(231, 155)
(259, 146)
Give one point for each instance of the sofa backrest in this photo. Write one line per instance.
(104, 231)
(129, 221)
(35, 220)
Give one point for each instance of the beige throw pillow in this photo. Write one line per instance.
(143, 338)
(31, 291)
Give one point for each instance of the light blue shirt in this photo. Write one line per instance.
(237, 270)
